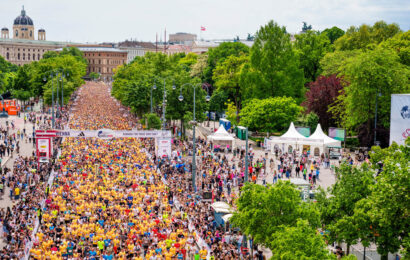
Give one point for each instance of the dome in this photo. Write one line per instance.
(41, 30)
(4, 29)
(23, 19)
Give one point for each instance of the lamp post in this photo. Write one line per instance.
(52, 98)
(153, 87)
(163, 100)
(246, 157)
(181, 98)
(375, 118)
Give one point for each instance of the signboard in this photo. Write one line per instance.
(305, 131)
(337, 133)
(163, 147)
(399, 118)
(43, 147)
(105, 133)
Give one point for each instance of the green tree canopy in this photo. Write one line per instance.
(227, 78)
(299, 242)
(274, 66)
(262, 211)
(219, 54)
(337, 209)
(333, 33)
(368, 74)
(385, 212)
(271, 114)
(401, 44)
(311, 46)
(365, 35)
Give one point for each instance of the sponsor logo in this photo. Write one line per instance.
(405, 112)
(102, 134)
(81, 134)
(63, 133)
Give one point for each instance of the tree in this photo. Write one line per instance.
(337, 210)
(269, 115)
(401, 44)
(50, 54)
(219, 54)
(311, 46)
(368, 74)
(299, 242)
(227, 78)
(94, 75)
(333, 33)
(364, 36)
(231, 112)
(218, 100)
(334, 62)
(321, 95)
(310, 120)
(262, 211)
(153, 120)
(387, 206)
(22, 87)
(75, 52)
(274, 66)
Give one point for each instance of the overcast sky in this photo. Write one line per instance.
(113, 21)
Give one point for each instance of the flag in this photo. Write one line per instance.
(203, 28)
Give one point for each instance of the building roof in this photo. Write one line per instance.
(23, 19)
(147, 45)
(205, 44)
(4, 29)
(34, 42)
(42, 30)
(97, 49)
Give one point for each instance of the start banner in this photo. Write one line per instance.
(108, 133)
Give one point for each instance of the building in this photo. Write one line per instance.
(200, 47)
(177, 48)
(135, 48)
(103, 60)
(22, 48)
(182, 38)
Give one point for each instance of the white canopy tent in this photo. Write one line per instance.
(290, 141)
(327, 141)
(222, 137)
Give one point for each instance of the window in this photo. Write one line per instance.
(28, 56)
(17, 33)
(38, 56)
(24, 56)
(31, 33)
(18, 56)
(34, 56)
(7, 55)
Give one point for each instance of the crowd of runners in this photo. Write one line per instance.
(114, 199)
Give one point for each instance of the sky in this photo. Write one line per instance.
(91, 21)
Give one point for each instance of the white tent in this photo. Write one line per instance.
(222, 137)
(327, 141)
(290, 141)
(293, 140)
(292, 132)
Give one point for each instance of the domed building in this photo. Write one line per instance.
(23, 27)
(19, 45)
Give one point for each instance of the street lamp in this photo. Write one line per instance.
(246, 157)
(63, 75)
(375, 117)
(152, 88)
(181, 98)
(163, 100)
(52, 98)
